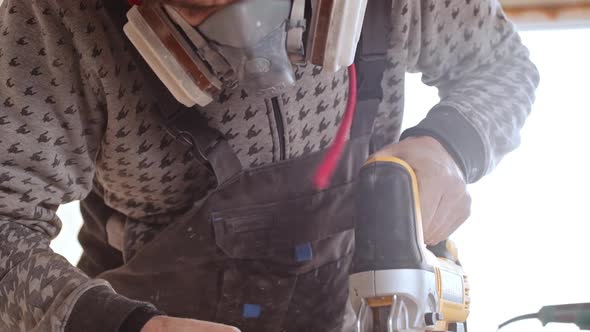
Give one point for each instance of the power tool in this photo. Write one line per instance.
(577, 313)
(396, 282)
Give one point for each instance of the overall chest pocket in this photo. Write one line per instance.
(295, 235)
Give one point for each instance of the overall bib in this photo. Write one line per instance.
(265, 251)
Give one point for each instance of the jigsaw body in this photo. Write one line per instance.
(397, 283)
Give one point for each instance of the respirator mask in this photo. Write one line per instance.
(252, 44)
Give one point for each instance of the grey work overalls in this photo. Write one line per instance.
(264, 251)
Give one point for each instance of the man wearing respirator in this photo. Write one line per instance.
(213, 145)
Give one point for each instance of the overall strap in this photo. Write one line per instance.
(371, 62)
(206, 144)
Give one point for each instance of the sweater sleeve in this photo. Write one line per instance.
(486, 81)
(51, 122)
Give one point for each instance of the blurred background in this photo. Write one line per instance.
(526, 242)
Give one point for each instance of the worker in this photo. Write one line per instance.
(181, 236)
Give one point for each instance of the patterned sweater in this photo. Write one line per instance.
(78, 110)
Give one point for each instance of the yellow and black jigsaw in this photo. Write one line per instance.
(397, 283)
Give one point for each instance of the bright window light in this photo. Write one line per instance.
(527, 242)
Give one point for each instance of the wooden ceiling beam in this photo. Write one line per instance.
(550, 11)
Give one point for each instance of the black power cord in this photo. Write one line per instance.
(516, 319)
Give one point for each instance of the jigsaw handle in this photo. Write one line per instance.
(388, 232)
(445, 249)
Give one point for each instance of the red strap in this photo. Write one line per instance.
(324, 173)
(135, 2)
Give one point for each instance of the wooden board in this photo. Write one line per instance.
(548, 11)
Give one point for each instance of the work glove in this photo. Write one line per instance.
(171, 324)
(444, 200)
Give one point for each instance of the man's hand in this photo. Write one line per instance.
(171, 324)
(444, 200)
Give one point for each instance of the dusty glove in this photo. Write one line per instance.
(445, 202)
(172, 324)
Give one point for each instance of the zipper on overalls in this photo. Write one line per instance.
(276, 109)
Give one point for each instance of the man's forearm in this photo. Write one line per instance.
(38, 287)
(486, 81)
